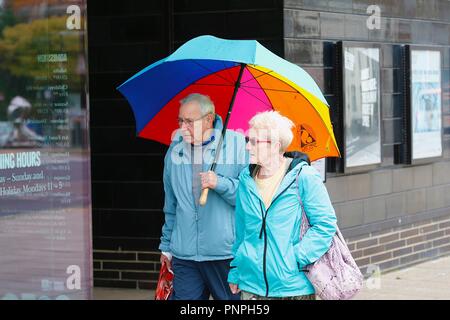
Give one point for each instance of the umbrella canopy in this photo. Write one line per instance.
(211, 66)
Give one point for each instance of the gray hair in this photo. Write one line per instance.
(276, 124)
(205, 102)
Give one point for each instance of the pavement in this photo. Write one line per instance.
(425, 281)
(122, 294)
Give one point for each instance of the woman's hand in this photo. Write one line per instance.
(234, 288)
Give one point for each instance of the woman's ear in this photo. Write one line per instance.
(278, 144)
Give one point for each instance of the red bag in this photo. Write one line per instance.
(164, 287)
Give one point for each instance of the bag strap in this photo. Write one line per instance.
(298, 188)
(305, 222)
(305, 225)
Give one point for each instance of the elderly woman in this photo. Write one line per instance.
(269, 257)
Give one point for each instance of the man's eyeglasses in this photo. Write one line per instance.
(190, 122)
(254, 141)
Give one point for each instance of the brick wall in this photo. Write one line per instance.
(402, 246)
(126, 269)
(394, 217)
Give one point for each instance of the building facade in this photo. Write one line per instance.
(393, 212)
(384, 68)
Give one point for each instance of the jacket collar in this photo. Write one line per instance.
(298, 160)
(297, 157)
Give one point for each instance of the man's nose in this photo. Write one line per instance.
(184, 126)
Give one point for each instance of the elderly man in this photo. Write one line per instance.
(196, 240)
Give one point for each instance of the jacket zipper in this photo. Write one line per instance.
(196, 222)
(263, 231)
(197, 207)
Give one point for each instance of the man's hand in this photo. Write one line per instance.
(234, 288)
(163, 259)
(209, 180)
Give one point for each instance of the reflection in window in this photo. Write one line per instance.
(45, 217)
(362, 106)
(426, 104)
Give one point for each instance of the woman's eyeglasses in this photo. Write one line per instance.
(254, 141)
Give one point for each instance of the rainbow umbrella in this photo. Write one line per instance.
(242, 78)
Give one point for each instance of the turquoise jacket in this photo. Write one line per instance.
(269, 257)
(190, 231)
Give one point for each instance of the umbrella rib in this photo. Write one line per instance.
(258, 98)
(190, 84)
(212, 84)
(212, 72)
(310, 103)
(265, 93)
(268, 89)
(254, 78)
(294, 90)
(227, 69)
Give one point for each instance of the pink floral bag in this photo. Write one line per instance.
(334, 276)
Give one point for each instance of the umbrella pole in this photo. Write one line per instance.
(204, 195)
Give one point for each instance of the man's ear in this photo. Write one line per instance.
(212, 116)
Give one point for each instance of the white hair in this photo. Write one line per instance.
(277, 124)
(205, 102)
